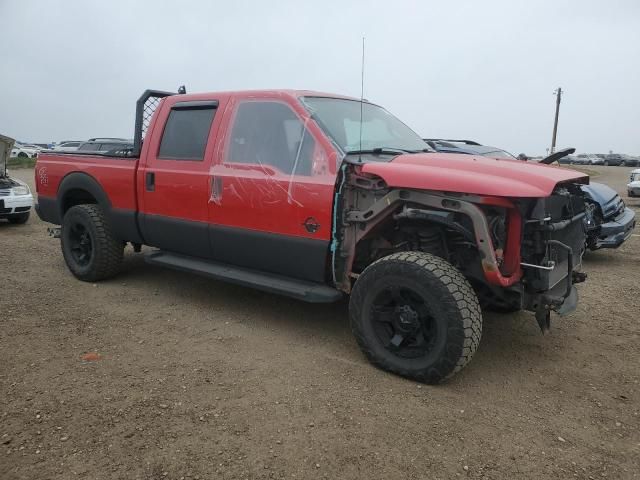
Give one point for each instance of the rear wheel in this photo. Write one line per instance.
(90, 250)
(19, 218)
(414, 314)
(23, 155)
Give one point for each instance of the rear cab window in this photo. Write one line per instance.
(187, 130)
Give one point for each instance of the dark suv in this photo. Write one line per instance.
(613, 159)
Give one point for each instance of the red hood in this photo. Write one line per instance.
(471, 174)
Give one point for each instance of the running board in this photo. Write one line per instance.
(268, 282)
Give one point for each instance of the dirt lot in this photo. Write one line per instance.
(200, 379)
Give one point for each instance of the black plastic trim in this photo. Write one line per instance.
(176, 235)
(47, 210)
(290, 256)
(297, 257)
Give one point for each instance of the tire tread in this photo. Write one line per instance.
(462, 300)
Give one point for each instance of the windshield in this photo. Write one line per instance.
(635, 177)
(340, 120)
(498, 154)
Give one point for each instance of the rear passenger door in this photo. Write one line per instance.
(175, 178)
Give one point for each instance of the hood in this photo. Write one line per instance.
(600, 192)
(472, 174)
(6, 144)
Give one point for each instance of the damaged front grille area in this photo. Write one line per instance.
(553, 246)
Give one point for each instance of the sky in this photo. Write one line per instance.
(480, 70)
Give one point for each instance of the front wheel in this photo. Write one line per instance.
(414, 314)
(90, 250)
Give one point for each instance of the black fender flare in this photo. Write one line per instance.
(81, 181)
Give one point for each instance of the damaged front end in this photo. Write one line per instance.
(517, 253)
(552, 248)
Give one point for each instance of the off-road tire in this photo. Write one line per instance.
(19, 218)
(107, 251)
(452, 303)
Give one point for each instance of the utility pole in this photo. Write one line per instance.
(558, 94)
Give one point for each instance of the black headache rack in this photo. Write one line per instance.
(145, 107)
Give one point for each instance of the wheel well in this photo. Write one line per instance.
(75, 197)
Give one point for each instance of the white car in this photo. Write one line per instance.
(16, 200)
(633, 187)
(589, 159)
(25, 150)
(67, 146)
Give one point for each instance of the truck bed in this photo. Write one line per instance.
(58, 174)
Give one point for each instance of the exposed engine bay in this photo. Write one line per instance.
(519, 253)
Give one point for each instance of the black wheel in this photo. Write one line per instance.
(89, 248)
(414, 314)
(23, 155)
(19, 218)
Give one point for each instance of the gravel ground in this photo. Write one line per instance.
(198, 379)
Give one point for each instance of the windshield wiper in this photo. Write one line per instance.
(382, 151)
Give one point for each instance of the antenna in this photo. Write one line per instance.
(361, 92)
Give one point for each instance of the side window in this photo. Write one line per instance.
(270, 133)
(89, 147)
(185, 134)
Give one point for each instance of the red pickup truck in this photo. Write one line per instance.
(316, 196)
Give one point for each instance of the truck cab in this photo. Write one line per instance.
(317, 196)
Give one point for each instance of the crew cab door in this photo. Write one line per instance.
(174, 179)
(272, 190)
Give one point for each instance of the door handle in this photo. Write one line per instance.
(150, 181)
(216, 190)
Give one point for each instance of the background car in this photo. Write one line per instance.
(614, 159)
(67, 146)
(568, 160)
(104, 146)
(25, 150)
(110, 139)
(16, 199)
(589, 159)
(629, 161)
(633, 187)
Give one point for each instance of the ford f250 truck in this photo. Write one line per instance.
(317, 196)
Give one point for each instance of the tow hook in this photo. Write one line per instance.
(54, 232)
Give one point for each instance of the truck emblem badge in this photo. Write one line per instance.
(311, 224)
